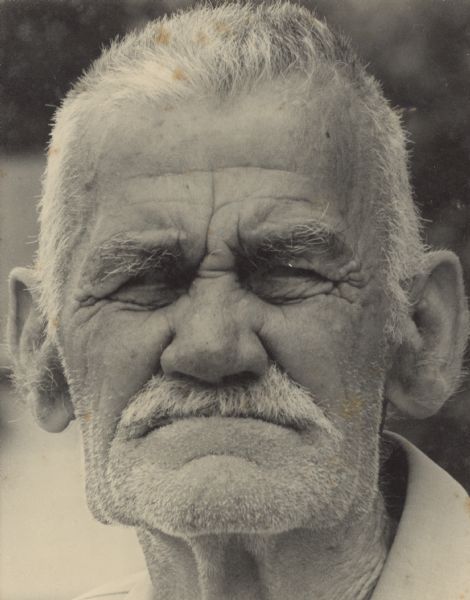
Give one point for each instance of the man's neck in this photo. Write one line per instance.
(301, 564)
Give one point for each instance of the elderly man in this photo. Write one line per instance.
(229, 289)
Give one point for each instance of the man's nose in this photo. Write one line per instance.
(214, 340)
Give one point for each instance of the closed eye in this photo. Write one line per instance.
(285, 284)
(151, 290)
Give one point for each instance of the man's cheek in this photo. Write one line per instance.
(310, 343)
(117, 356)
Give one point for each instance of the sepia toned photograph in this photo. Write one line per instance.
(234, 280)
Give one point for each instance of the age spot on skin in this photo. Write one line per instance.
(352, 407)
(86, 416)
(202, 39)
(162, 36)
(179, 74)
(221, 27)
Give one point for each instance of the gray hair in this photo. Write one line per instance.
(222, 51)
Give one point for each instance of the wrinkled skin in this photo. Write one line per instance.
(230, 275)
(216, 178)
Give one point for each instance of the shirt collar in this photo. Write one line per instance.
(430, 555)
(142, 589)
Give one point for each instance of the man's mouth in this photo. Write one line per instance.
(275, 400)
(138, 430)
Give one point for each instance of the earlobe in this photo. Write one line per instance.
(427, 364)
(37, 368)
(49, 394)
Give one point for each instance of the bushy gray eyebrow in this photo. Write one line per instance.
(301, 241)
(125, 255)
(132, 255)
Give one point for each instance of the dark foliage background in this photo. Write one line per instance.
(418, 49)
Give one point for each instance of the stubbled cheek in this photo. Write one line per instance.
(118, 357)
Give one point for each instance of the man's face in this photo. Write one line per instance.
(228, 238)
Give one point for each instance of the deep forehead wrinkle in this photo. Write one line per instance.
(261, 183)
(255, 182)
(234, 169)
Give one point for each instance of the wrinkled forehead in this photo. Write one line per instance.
(308, 142)
(292, 124)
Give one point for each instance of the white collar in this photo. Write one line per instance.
(430, 555)
(143, 589)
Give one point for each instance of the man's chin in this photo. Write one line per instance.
(223, 476)
(213, 494)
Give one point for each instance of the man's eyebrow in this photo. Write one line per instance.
(300, 241)
(125, 254)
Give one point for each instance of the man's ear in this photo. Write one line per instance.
(37, 366)
(428, 362)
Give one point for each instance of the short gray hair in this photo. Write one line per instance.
(223, 51)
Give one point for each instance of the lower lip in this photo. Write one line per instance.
(192, 438)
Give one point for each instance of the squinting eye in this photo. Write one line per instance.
(287, 284)
(145, 292)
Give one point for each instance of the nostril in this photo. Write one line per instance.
(188, 379)
(242, 378)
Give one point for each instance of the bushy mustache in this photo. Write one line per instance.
(275, 398)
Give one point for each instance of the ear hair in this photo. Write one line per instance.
(38, 372)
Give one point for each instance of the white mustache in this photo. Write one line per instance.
(275, 398)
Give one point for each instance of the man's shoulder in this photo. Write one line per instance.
(129, 588)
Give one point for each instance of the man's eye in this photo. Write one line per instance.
(287, 284)
(147, 292)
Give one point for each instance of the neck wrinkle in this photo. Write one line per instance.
(171, 565)
(298, 564)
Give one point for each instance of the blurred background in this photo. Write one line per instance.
(50, 548)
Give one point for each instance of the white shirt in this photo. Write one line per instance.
(430, 555)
